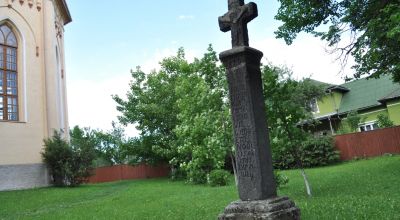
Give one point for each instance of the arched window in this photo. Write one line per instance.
(8, 75)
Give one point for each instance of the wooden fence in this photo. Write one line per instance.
(369, 143)
(126, 172)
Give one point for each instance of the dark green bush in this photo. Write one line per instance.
(218, 178)
(69, 165)
(315, 151)
(197, 176)
(318, 151)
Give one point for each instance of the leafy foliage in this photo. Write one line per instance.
(319, 151)
(280, 179)
(384, 121)
(351, 123)
(287, 106)
(182, 115)
(372, 26)
(69, 164)
(218, 178)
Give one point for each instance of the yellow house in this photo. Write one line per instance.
(33, 100)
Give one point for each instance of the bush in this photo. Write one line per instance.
(69, 165)
(313, 152)
(280, 179)
(218, 178)
(197, 176)
(384, 121)
(319, 151)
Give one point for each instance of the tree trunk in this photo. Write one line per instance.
(234, 168)
(308, 187)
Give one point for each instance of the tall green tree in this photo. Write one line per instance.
(373, 27)
(204, 129)
(151, 105)
(287, 105)
(182, 114)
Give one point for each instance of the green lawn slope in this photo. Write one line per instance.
(365, 189)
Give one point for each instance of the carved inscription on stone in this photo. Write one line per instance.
(244, 133)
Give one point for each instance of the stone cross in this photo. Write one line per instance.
(256, 182)
(236, 19)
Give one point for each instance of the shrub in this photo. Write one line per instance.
(318, 151)
(69, 165)
(197, 176)
(57, 156)
(313, 152)
(384, 121)
(218, 178)
(280, 179)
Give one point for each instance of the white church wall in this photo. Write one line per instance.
(39, 86)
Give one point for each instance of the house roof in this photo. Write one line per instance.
(395, 94)
(337, 88)
(329, 87)
(319, 83)
(367, 93)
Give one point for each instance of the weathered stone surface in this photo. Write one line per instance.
(256, 182)
(253, 155)
(236, 19)
(280, 208)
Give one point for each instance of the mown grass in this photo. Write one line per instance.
(366, 189)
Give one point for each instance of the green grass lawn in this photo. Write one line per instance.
(366, 189)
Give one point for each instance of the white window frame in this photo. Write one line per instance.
(366, 124)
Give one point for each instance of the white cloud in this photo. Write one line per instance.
(307, 56)
(90, 103)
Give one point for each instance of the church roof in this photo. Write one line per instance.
(65, 11)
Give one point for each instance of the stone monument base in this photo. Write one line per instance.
(270, 209)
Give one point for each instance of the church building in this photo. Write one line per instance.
(33, 101)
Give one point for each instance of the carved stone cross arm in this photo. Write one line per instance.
(236, 20)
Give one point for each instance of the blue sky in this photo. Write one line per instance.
(108, 38)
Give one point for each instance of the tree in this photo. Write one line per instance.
(286, 105)
(112, 145)
(204, 129)
(182, 113)
(384, 121)
(151, 105)
(372, 25)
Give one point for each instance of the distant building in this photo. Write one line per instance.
(368, 97)
(33, 100)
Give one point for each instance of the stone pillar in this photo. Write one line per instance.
(256, 183)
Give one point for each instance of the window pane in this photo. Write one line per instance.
(11, 59)
(2, 38)
(12, 117)
(1, 108)
(362, 128)
(6, 30)
(375, 126)
(11, 83)
(11, 40)
(1, 81)
(12, 109)
(368, 127)
(1, 56)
